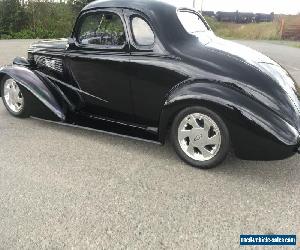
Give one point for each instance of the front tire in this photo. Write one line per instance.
(200, 137)
(13, 98)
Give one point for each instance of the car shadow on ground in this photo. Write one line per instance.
(259, 171)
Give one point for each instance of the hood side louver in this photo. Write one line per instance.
(52, 63)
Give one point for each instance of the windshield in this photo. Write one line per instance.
(192, 22)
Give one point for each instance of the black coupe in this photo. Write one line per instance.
(147, 69)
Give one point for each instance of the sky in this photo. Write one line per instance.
(264, 6)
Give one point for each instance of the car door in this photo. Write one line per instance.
(153, 71)
(98, 63)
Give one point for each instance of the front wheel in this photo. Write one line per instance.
(200, 137)
(13, 98)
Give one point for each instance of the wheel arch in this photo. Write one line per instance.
(36, 90)
(171, 110)
(242, 114)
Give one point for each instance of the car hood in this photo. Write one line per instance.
(52, 44)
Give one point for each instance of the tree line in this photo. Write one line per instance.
(38, 18)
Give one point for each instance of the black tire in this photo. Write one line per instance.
(24, 112)
(224, 144)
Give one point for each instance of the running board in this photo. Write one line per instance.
(106, 127)
(121, 123)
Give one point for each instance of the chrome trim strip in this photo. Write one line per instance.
(95, 130)
(149, 129)
(70, 87)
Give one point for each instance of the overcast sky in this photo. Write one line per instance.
(265, 6)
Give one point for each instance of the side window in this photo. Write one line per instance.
(103, 29)
(142, 32)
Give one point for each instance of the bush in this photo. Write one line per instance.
(5, 36)
(37, 19)
(257, 31)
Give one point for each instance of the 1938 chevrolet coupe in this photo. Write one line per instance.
(147, 69)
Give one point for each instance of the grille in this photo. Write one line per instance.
(52, 63)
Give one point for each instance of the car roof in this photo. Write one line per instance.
(141, 5)
(161, 14)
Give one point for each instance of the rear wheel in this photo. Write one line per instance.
(200, 137)
(13, 98)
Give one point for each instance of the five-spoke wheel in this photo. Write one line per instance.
(13, 98)
(200, 137)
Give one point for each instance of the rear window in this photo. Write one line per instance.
(192, 22)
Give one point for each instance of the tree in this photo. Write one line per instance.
(38, 18)
(12, 16)
(77, 5)
(50, 19)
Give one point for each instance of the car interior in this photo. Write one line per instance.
(104, 29)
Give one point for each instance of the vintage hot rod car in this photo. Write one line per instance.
(148, 69)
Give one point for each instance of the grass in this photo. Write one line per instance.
(297, 45)
(252, 31)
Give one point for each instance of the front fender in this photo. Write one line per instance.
(36, 86)
(252, 125)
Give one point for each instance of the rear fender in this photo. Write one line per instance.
(35, 85)
(251, 124)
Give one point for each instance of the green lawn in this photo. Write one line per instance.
(252, 31)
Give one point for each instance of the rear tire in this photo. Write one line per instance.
(200, 137)
(13, 98)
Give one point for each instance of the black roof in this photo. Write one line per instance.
(141, 5)
(161, 14)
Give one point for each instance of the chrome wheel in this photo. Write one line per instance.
(13, 96)
(199, 137)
